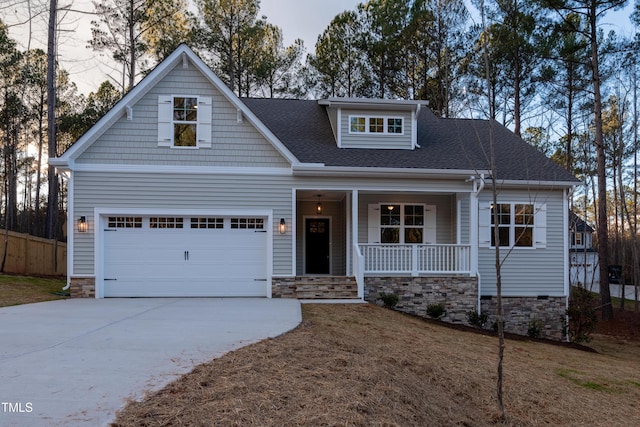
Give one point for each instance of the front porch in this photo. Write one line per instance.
(362, 233)
(344, 238)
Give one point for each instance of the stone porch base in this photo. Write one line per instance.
(458, 294)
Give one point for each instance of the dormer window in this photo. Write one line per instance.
(578, 239)
(376, 125)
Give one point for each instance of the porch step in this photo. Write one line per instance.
(326, 287)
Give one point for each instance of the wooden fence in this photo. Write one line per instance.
(33, 255)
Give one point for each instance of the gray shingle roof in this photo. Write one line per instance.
(578, 224)
(451, 144)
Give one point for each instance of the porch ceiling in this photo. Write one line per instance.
(339, 195)
(325, 195)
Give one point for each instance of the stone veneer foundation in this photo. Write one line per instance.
(83, 287)
(458, 294)
(520, 312)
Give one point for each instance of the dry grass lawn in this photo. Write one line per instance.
(15, 290)
(362, 365)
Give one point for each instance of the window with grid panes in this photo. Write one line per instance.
(515, 222)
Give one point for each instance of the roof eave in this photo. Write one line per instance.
(536, 183)
(311, 169)
(373, 104)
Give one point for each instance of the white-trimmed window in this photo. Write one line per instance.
(402, 223)
(577, 238)
(520, 225)
(184, 121)
(380, 125)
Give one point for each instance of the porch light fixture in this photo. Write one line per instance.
(82, 224)
(319, 206)
(283, 226)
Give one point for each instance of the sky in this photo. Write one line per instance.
(305, 19)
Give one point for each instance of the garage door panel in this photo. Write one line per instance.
(185, 261)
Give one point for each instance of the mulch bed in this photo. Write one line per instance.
(625, 324)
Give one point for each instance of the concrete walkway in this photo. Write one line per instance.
(76, 362)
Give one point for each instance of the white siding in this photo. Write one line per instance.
(527, 271)
(332, 113)
(463, 214)
(136, 141)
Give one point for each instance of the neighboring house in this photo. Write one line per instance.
(584, 265)
(183, 189)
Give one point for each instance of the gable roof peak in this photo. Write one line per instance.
(184, 55)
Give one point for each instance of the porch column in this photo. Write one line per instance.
(354, 244)
(473, 230)
(349, 239)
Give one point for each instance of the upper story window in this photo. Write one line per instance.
(184, 121)
(376, 125)
(578, 239)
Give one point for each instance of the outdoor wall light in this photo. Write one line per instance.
(319, 206)
(82, 224)
(283, 226)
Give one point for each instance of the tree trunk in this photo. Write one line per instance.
(52, 202)
(496, 234)
(636, 279)
(603, 228)
(132, 48)
(37, 221)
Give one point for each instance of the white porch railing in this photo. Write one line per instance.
(358, 269)
(416, 259)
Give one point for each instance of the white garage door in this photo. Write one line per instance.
(165, 256)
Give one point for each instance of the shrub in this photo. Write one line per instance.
(436, 310)
(535, 328)
(389, 300)
(477, 320)
(494, 325)
(582, 315)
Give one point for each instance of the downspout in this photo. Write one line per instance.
(70, 228)
(415, 123)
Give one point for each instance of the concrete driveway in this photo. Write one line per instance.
(76, 362)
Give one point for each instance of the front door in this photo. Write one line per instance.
(317, 252)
